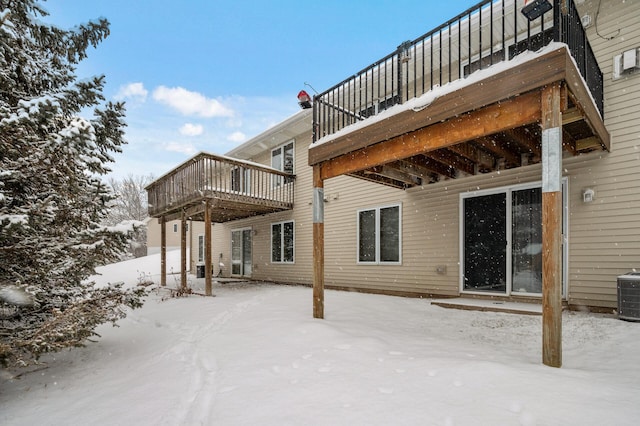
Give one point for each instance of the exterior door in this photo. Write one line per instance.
(241, 252)
(485, 243)
(502, 241)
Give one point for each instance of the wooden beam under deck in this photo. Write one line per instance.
(519, 111)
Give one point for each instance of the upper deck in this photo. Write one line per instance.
(233, 188)
(466, 64)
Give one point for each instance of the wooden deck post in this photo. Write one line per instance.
(551, 226)
(318, 243)
(183, 251)
(208, 291)
(163, 251)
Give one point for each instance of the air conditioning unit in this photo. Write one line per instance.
(629, 296)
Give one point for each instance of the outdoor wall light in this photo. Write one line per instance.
(536, 9)
(588, 195)
(304, 100)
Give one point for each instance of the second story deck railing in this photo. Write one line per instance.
(208, 176)
(488, 33)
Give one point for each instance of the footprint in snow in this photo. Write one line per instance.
(307, 356)
(227, 389)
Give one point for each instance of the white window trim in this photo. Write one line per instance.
(509, 189)
(201, 255)
(287, 262)
(276, 179)
(246, 228)
(377, 210)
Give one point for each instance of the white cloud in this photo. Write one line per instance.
(190, 103)
(182, 148)
(237, 137)
(135, 91)
(190, 129)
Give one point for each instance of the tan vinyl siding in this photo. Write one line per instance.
(263, 269)
(430, 232)
(604, 235)
(153, 236)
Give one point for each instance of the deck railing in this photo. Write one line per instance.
(217, 177)
(487, 33)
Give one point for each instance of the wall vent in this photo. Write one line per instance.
(628, 62)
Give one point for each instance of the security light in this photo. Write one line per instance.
(304, 100)
(536, 9)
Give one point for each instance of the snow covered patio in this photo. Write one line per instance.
(253, 355)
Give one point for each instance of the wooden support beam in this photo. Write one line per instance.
(525, 140)
(515, 112)
(493, 145)
(571, 116)
(382, 180)
(419, 169)
(318, 243)
(396, 172)
(551, 226)
(449, 158)
(163, 251)
(208, 271)
(588, 143)
(183, 251)
(482, 159)
(431, 165)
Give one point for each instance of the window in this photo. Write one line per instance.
(200, 248)
(282, 159)
(240, 179)
(379, 235)
(282, 242)
(176, 227)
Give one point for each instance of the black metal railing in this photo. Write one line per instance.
(487, 33)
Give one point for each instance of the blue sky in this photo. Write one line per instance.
(207, 75)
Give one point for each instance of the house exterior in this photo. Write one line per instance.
(172, 229)
(453, 166)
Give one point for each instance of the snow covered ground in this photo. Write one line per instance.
(253, 355)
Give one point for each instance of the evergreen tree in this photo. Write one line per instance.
(52, 199)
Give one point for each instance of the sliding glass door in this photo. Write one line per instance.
(241, 252)
(502, 241)
(526, 241)
(485, 243)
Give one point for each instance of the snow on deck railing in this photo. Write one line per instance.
(487, 33)
(214, 176)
